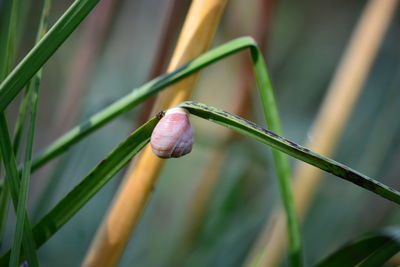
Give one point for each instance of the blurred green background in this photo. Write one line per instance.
(303, 47)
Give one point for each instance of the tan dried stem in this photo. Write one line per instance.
(201, 198)
(326, 131)
(175, 10)
(195, 38)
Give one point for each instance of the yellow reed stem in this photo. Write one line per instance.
(201, 197)
(334, 113)
(197, 33)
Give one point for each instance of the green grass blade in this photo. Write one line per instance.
(281, 160)
(7, 43)
(12, 175)
(99, 176)
(137, 96)
(4, 203)
(13, 184)
(20, 217)
(369, 250)
(42, 51)
(288, 147)
(89, 185)
(382, 255)
(32, 97)
(19, 124)
(5, 14)
(9, 40)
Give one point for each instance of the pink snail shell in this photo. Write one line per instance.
(173, 135)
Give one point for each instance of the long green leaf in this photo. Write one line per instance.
(137, 96)
(9, 20)
(254, 131)
(13, 184)
(32, 97)
(5, 14)
(42, 51)
(19, 124)
(99, 176)
(4, 203)
(12, 175)
(89, 186)
(369, 250)
(281, 160)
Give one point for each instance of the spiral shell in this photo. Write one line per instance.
(173, 135)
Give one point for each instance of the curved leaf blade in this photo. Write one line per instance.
(31, 96)
(89, 186)
(43, 50)
(137, 96)
(269, 107)
(12, 180)
(369, 250)
(252, 130)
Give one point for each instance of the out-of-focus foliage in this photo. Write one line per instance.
(370, 250)
(306, 41)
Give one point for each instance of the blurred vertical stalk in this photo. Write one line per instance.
(174, 11)
(195, 38)
(7, 55)
(31, 97)
(19, 124)
(326, 131)
(12, 177)
(89, 47)
(87, 51)
(199, 204)
(8, 52)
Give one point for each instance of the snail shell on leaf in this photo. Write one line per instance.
(173, 135)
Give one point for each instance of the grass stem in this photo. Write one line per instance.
(344, 89)
(196, 36)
